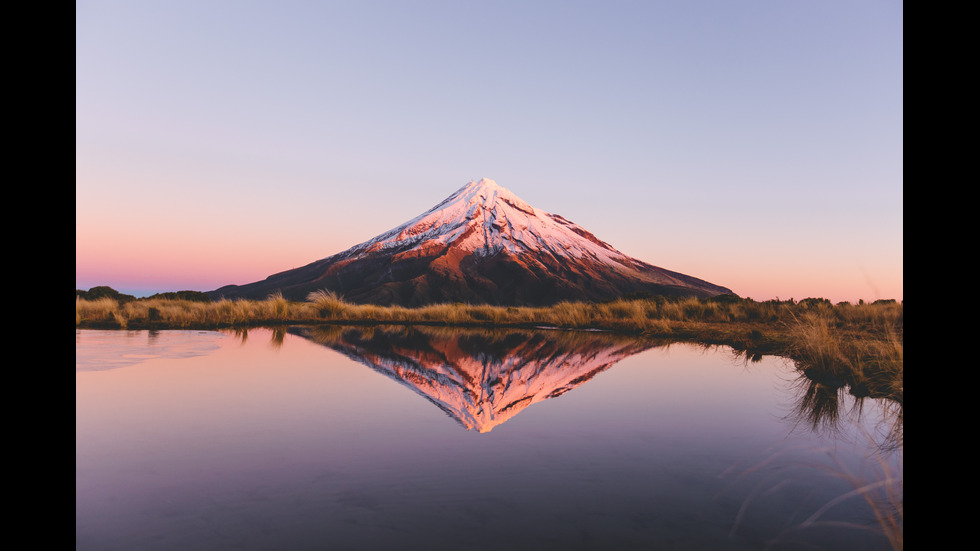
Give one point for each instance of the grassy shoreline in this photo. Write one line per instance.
(860, 344)
(856, 349)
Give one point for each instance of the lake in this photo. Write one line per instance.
(341, 438)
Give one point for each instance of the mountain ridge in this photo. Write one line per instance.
(482, 244)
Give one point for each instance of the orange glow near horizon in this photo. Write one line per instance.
(185, 272)
(172, 260)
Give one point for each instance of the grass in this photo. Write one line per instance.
(859, 344)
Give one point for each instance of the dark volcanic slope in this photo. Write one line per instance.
(483, 244)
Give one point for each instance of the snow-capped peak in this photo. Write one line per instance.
(485, 218)
(481, 183)
(486, 192)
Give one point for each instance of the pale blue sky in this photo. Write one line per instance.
(755, 144)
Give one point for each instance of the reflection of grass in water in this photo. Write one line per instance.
(278, 336)
(885, 495)
(823, 404)
(881, 490)
(820, 406)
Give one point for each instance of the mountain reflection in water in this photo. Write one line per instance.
(484, 377)
(480, 378)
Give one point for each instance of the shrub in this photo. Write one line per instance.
(102, 291)
(728, 298)
(814, 303)
(193, 296)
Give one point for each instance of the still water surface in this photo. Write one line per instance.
(345, 438)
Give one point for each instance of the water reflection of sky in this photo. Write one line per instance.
(263, 445)
(97, 350)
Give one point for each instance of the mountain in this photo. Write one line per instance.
(482, 244)
(480, 379)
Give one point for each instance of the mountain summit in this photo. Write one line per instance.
(482, 244)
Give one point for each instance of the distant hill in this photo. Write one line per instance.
(482, 244)
(96, 293)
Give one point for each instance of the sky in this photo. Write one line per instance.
(757, 145)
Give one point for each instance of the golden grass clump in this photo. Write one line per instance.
(818, 343)
(328, 304)
(100, 310)
(234, 312)
(623, 309)
(488, 313)
(569, 314)
(372, 312)
(276, 307)
(447, 313)
(864, 348)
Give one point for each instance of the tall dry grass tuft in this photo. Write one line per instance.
(889, 505)
(372, 313)
(696, 310)
(276, 307)
(438, 312)
(100, 310)
(570, 314)
(862, 345)
(328, 304)
(623, 309)
(234, 312)
(885, 494)
(483, 313)
(818, 343)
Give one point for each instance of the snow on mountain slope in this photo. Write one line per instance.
(485, 218)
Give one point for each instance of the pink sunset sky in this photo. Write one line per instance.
(757, 146)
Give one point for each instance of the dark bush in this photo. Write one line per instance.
(103, 291)
(814, 302)
(194, 296)
(728, 298)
